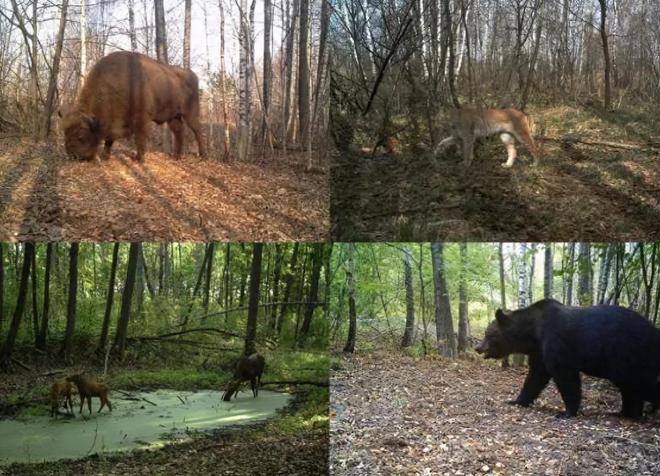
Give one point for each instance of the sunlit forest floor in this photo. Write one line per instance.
(578, 192)
(293, 443)
(46, 197)
(393, 414)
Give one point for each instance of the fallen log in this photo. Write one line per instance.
(297, 382)
(576, 139)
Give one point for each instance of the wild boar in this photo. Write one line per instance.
(122, 94)
(249, 367)
(58, 392)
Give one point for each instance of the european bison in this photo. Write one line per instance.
(249, 367)
(123, 92)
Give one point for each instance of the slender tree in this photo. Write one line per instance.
(8, 348)
(253, 299)
(55, 70)
(67, 343)
(409, 332)
(443, 320)
(463, 324)
(547, 272)
(103, 340)
(119, 345)
(585, 276)
(313, 297)
(349, 348)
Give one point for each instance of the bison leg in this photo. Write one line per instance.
(140, 143)
(176, 126)
(106, 149)
(196, 127)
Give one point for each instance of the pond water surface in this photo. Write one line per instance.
(132, 423)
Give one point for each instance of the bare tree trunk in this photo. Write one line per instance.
(244, 83)
(2, 287)
(289, 67)
(548, 275)
(207, 282)
(131, 25)
(450, 46)
(186, 34)
(83, 42)
(409, 332)
(606, 52)
(223, 93)
(443, 320)
(502, 286)
(43, 330)
(569, 282)
(65, 350)
(277, 273)
(52, 83)
(313, 297)
(161, 32)
(253, 299)
(8, 348)
(268, 67)
(288, 285)
(35, 302)
(463, 323)
(585, 276)
(119, 344)
(320, 72)
(352, 314)
(523, 297)
(109, 300)
(303, 75)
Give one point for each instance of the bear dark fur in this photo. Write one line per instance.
(608, 342)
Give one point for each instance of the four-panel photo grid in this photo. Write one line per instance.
(330, 237)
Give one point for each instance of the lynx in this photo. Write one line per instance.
(468, 124)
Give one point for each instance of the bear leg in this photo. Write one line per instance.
(570, 389)
(536, 380)
(632, 404)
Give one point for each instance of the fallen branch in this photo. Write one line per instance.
(53, 372)
(21, 364)
(130, 396)
(575, 139)
(443, 206)
(296, 382)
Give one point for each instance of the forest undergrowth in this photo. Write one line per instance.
(396, 414)
(598, 177)
(46, 197)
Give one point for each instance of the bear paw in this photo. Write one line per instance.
(565, 415)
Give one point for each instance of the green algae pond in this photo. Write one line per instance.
(141, 420)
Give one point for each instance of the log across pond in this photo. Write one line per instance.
(134, 423)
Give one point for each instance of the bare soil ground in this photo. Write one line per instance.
(579, 191)
(45, 196)
(396, 415)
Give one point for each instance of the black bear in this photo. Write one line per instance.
(608, 342)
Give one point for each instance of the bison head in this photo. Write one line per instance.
(82, 134)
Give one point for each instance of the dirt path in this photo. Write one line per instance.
(578, 192)
(396, 415)
(44, 196)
